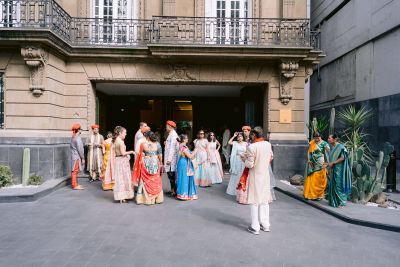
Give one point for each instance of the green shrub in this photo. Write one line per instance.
(35, 179)
(6, 176)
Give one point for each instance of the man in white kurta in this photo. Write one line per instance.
(257, 158)
(171, 155)
(139, 134)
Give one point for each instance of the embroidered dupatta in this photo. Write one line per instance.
(151, 182)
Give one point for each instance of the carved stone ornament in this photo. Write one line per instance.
(179, 72)
(36, 60)
(288, 71)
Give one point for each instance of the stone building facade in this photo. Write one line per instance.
(361, 40)
(60, 59)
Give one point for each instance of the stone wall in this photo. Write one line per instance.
(49, 157)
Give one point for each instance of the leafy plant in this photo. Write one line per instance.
(6, 176)
(319, 124)
(354, 136)
(35, 180)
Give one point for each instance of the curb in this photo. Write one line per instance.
(30, 197)
(381, 226)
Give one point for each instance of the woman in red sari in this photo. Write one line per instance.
(147, 172)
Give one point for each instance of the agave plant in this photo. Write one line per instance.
(319, 124)
(354, 118)
(354, 136)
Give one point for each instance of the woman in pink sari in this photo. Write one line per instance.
(123, 189)
(215, 171)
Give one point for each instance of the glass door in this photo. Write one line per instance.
(230, 17)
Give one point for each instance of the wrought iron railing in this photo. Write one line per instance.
(47, 14)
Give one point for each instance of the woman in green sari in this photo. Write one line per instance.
(339, 171)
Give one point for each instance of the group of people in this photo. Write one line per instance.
(109, 160)
(328, 172)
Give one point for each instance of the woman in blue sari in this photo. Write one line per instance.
(186, 187)
(340, 176)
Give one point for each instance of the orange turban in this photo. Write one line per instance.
(246, 128)
(94, 126)
(171, 123)
(75, 128)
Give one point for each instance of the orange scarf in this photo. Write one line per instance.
(242, 185)
(152, 182)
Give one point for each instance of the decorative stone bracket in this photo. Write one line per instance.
(288, 70)
(179, 72)
(36, 60)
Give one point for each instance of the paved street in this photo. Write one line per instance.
(86, 228)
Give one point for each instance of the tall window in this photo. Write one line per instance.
(221, 24)
(111, 25)
(107, 20)
(10, 13)
(235, 22)
(1, 101)
(231, 24)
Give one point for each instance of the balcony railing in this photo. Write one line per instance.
(47, 14)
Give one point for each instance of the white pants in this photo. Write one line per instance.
(259, 215)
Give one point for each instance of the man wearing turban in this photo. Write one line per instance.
(171, 154)
(95, 153)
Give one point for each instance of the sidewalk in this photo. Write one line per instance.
(380, 218)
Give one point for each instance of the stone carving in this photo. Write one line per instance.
(179, 72)
(36, 60)
(288, 72)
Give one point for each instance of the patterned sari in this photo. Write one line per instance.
(147, 175)
(339, 186)
(107, 180)
(315, 183)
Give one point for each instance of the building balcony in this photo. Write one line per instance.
(32, 20)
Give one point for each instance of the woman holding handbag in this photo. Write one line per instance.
(186, 187)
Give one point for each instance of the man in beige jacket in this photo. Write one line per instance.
(258, 158)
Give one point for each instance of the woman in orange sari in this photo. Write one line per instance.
(147, 172)
(315, 183)
(107, 180)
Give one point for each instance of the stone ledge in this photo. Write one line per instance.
(10, 195)
(350, 214)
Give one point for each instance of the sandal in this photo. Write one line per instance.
(78, 187)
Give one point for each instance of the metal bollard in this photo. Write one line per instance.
(391, 174)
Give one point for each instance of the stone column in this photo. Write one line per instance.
(287, 119)
(169, 7)
(287, 8)
(199, 8)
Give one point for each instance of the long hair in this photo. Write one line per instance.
(209, 137)
(117, 131)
